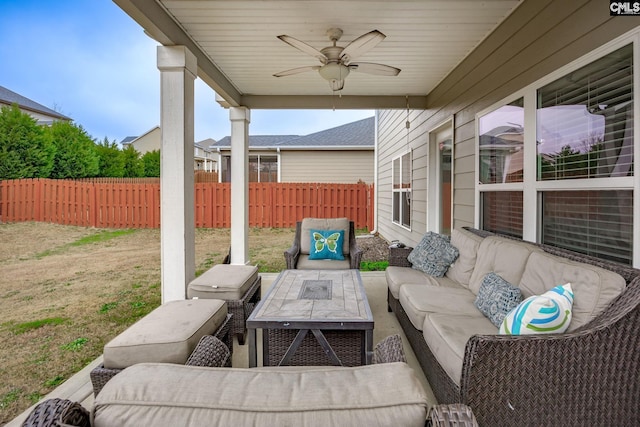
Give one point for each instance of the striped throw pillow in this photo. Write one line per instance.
(549, 313)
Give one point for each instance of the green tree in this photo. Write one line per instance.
(25, 151)
(151, 162)
(111, 159)
(133, 166)
(76, 155)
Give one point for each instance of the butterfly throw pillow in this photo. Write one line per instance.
(326, 244)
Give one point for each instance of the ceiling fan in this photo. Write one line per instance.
(336, 60)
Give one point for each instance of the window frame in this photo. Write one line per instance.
(407, 191)
(531, 187)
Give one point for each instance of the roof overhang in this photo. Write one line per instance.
(237, 50)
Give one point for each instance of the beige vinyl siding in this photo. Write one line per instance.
(338, 166)
(539, 37)
(148, 142)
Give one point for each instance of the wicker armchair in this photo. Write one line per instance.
(296, 251)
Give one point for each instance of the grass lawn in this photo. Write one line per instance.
(65, 291)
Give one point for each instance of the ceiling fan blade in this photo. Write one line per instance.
(361, 45)
(309, 50)
(377, 69)
(297, 70)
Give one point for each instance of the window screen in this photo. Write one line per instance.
(593, 222)
(502, 212)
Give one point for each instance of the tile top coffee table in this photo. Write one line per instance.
(313, 317)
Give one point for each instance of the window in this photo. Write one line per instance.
(502, 212)
(262, 168)
(402, 190)
(585, 121)
(568, 181)
(501, 144)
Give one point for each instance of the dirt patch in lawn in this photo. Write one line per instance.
(65, 291)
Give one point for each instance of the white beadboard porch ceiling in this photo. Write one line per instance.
(238, 52)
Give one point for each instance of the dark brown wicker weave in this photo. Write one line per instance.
(389, 350)
(210, 352)
(398, 256)
(454, 415)
(242, 308)
(346, 344)
(56, 413)
(101, 375)
(355, 253)
(585, 377)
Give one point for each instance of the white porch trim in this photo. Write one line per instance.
(178, 70)
(240, 118)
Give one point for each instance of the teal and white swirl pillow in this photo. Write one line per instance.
(549, 313)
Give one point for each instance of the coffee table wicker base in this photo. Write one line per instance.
(347, 345)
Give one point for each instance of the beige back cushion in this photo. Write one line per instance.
(593, 287)
(506, 257)
(309, 224)
(467, 244)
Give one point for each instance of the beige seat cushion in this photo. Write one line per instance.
(505, 257)
(223, 281)
(399, 276)
(447, 335)
(387, 394)
(304, 263)
(467, 244)
(593, 287)
(167, 334)
(309, 224)
(420, 300)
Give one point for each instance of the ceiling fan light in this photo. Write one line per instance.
(336, 84)
(335, 74)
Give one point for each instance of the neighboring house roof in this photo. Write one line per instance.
(9, 97)
(205, 144)
(128, 140)
(360, 134)
(257, 141)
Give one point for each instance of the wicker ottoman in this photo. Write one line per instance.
(168, 334)
(238, 285)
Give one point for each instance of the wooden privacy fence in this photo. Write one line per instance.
(137, 205)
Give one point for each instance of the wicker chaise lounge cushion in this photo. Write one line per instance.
(223, 281)
(167, 334)
(170, 395)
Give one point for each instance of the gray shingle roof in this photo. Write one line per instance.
(9, 97)
(356, 134)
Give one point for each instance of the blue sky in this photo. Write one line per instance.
(90, 61)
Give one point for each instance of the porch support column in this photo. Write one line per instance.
(178, 70)
(240, 119)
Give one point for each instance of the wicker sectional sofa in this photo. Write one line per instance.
(584, 376)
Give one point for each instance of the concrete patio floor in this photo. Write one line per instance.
(78, 388)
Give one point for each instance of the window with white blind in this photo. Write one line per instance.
(585, 121)
(401, 190)
(569, 180)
